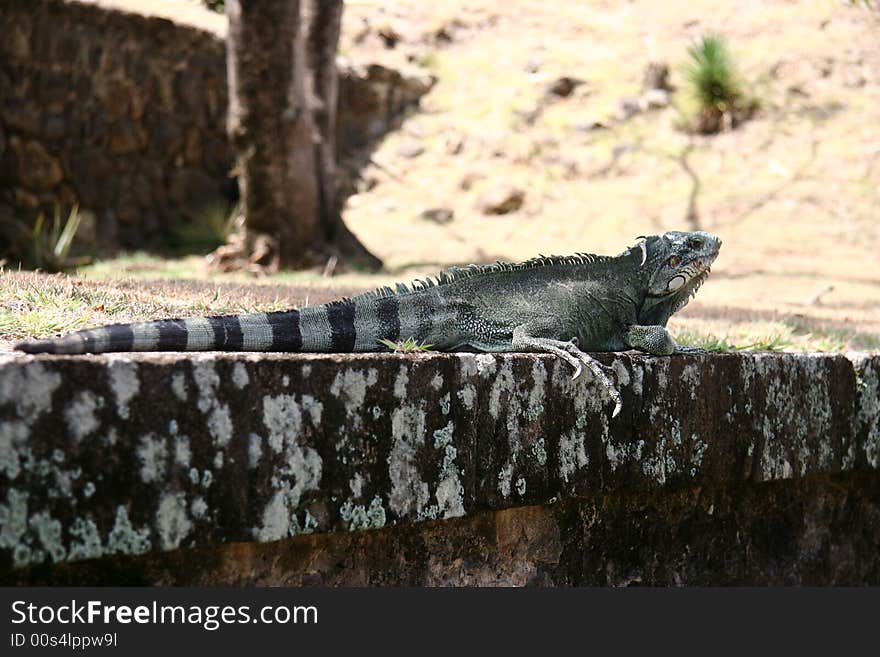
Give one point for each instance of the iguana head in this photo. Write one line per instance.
(675, 265)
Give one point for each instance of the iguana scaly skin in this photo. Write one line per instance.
(560, 305)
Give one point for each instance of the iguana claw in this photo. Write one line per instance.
(575, 357)
(568, 351)
(598, 371)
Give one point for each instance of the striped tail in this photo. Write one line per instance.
(342, 326)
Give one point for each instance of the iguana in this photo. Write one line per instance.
(556, 304)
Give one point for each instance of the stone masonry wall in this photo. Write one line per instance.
(108, 456)
(125, 115)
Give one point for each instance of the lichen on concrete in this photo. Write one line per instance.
(450, 490)
(443, 436)
(356, 484)
(409, 493)
(351, 385)
(573, 454)
(381, 439)
(179, 386)
(173, 523)
(48, 531)
(505, 475)
(182, 450)
(539, 452)
(314, 408)
(29, 389)
(275, 520)
(467, 395)
(13, 525)
(13, 435)
(360, 517)
(300, 465)
(124, 538)
(255, 449)
(400, 383)
(124, 382)
(283, 418)
(198, 507)
(80, 414)
(85, 541)
(220, 425)
(153, 455)
(240, 376)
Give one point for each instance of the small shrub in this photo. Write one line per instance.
(51, 245)
(714, 87)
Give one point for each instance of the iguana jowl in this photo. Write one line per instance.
(559, 304)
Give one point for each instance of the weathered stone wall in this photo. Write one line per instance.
(102, 456)
(125, 115)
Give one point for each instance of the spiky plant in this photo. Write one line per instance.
(51, 246)
(712, 82)
(406, 346)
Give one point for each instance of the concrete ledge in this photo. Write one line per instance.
(128, 454)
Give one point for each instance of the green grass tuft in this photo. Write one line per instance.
(406, 346)
(723, 345)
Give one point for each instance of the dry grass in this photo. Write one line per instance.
(40, 305)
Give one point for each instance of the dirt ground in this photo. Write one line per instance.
(794, 192)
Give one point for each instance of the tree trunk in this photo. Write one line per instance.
(284, 184)
(324, 19)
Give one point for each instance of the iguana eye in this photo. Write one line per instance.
(674, 261)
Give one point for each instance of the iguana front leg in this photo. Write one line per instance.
(523, 340)
(657, 341)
